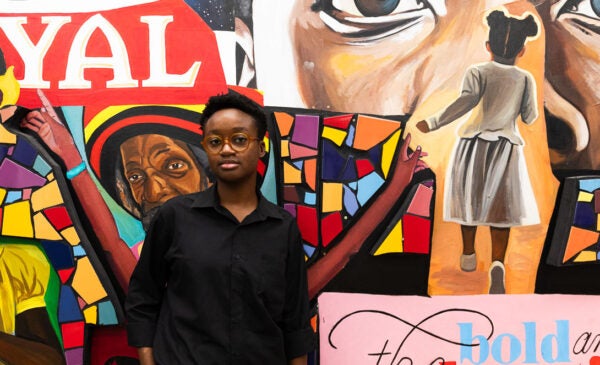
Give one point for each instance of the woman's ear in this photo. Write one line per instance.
(521, 52)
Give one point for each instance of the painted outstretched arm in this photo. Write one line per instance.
(322, 271)
(56, 136)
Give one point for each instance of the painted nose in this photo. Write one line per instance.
(154, 188)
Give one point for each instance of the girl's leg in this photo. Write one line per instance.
(468, 260)
(499, 242)
(497, 272)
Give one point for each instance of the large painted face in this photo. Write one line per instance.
(157, 169)
(573, 70)
(383, 57)
(229, 165)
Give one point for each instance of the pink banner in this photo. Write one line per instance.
(482, 329)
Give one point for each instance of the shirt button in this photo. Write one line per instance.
(237, 257)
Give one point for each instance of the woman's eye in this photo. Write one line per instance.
(239, 140)
(587, 8)
(214, 141)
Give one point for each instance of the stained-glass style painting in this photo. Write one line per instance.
(332, 165)
(37, 226)
(576, 239)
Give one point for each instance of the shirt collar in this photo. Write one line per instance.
(209, 199)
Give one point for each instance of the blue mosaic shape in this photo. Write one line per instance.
(585, 216)
(78, 251)
(41, 166)
(106, 313)
(310, 198)
(350, 137)
(24, 153)
(350, 201)
(308, 250)
(367, 186)
(589, 185)
(13, 196)
(349, 173)
(375, 155)
(59, 254)
(68, 308)
(299, 164)
(3, 152)
(333, 163)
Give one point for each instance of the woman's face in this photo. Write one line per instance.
(573, 70)
(383, 57)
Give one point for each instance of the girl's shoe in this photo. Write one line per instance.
(497, 274)
(468, 263)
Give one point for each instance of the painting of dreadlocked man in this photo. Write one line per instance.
(26, 332)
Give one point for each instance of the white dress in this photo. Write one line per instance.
(487, 181)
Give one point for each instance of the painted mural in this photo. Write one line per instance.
(347, 86)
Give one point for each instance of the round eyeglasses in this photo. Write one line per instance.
(238, 142)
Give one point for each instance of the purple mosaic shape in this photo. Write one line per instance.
(15, 176)
(306, 130)
(74, 356)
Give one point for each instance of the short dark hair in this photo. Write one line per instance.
(233, 100)
(508, 34)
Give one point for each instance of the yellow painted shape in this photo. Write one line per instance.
(387, 155)
(86, 282)
(6, 137)
(284, 123)
(91, 314)
(586, 256)
(50, 176)
(2, 195)
(584, 196)
(267, 143)
(393, 243)
(332, 197)
(337, 136)
(47, 196)
(16, 220)
(44, 229)
(291, 175)
(71, 236)
(285, 148)
(10, 87)
(371, 130)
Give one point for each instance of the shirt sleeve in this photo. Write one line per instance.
(298, 334)
(529, 111)
(147, 284)
(468, 99)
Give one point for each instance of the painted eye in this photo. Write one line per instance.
(587, 8)
(369, 20)
(175, 165)
(375, 8)
(135, 177)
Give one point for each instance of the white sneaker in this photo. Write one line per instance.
(497, 274)
(468, 262)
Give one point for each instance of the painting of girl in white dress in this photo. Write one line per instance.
(487, 182)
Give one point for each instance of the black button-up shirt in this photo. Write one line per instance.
(211, 290)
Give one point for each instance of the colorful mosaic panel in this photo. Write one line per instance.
(32, 207)
(576, 236)
(332, 166)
